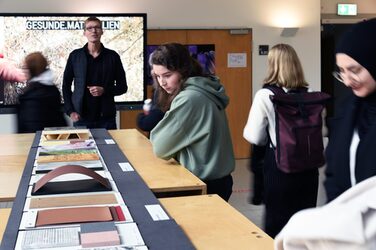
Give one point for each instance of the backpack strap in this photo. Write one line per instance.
(274, 88)
(279, 90)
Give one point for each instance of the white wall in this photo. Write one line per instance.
(265, 17)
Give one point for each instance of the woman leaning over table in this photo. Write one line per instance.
(194, 130)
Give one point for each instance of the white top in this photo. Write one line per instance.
(353, 147)
(261, 117)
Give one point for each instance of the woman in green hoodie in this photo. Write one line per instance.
(194, 130)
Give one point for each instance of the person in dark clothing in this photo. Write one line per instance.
(40, 104)
(256, 167)
(351, 151)
(98, 76)
(151, 114)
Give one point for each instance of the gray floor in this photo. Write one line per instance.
(242, 191)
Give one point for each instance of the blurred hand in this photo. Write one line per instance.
(96, 90)
(75, 116)
(9, 72)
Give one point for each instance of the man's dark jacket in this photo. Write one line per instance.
(113, 82)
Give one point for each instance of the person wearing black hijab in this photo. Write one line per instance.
(351, 151)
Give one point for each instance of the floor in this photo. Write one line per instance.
(242, 191)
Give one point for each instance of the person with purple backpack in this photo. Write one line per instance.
(285, 193)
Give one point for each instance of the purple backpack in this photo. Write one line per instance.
(298, 128)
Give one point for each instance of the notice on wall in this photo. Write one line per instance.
(237, 60)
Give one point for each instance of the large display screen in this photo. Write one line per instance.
(56, 35)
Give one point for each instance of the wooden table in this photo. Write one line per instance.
(15, 144)
(211, 223)
(164, 178)
(14, 150)
(4, 216)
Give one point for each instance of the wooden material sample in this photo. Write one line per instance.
(73, 200)
(76, 134)
(68, 157)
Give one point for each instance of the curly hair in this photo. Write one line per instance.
(174, 57)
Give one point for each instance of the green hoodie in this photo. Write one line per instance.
(195, 130)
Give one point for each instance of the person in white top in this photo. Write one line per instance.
(285, 193)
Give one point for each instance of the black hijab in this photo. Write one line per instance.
(359, 42)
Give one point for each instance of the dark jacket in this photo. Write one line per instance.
(40, 106)
(114, 81)
(147, 122)
(341, 130)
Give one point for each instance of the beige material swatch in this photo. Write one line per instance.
(73, 200)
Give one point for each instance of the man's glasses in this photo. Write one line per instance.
(94, 28)
(340, 76)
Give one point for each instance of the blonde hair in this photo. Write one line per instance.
(284, 67)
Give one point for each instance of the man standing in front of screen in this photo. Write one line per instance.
(97, 75)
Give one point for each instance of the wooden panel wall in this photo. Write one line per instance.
(237, 81)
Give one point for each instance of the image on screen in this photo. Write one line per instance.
(56, 35)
